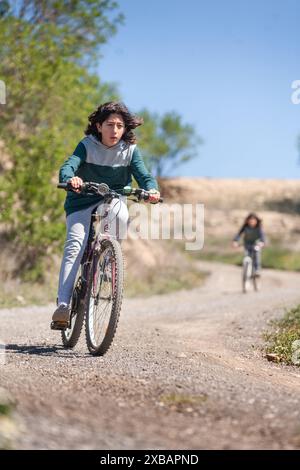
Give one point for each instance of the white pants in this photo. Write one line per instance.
(78, 224)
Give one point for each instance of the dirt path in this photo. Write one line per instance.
(186, 371)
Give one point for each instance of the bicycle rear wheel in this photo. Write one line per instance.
(70, 336)
(256, 282)
(104, 297)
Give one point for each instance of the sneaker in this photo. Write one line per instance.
(61, 317)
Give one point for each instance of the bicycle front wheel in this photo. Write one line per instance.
(256, 282)
(246, 273)
(104, 297)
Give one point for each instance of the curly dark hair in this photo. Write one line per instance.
(252, 215)
(104, 111)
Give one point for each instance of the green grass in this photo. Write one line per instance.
(281, 258)
(273, 257)
(5, 409)
(181, 402)
(163, 281)
(285, 332)
(7, 426)
(21, 294)
(228, 258)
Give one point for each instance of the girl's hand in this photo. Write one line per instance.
(235, 244)
(154, 196)
(76, 183)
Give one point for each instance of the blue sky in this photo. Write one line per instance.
(226, 67)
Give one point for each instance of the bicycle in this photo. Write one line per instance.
(98, 288)
(249, 271)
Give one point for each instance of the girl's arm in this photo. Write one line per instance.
(137, 167)
(238, 235)
(71, 165)
(262, 236)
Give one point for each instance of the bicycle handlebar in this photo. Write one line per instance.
(102, 189)
(258, 245)
(139, 193)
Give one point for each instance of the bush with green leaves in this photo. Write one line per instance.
(45, 48)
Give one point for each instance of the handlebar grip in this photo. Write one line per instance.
(148, 195)
(63, 185)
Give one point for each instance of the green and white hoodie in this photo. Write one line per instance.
(115, 166)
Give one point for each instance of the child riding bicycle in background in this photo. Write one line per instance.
(108, 154)
(253, 235)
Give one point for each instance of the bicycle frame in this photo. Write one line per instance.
(252, 253)
(95, 239)
(249, 267)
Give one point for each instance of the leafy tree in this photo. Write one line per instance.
(79, 27)
(166, 141)
(49, 96)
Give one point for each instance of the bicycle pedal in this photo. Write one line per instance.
(56, 325)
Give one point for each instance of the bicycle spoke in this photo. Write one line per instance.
(99, 326)
(101, 299)
(97, 321)
(100, 315)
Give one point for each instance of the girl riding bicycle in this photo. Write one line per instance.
(108, 154)
(253, 235)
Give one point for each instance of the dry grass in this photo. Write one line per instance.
(152, 267)
(183, 402)
(283, 342)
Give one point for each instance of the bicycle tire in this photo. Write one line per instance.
(70, 336)
(94, 298)
(246, 273)
(256, 283)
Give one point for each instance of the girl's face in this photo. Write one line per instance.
(252, 222)
(112, 129)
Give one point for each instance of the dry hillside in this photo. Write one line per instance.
(227, 202)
